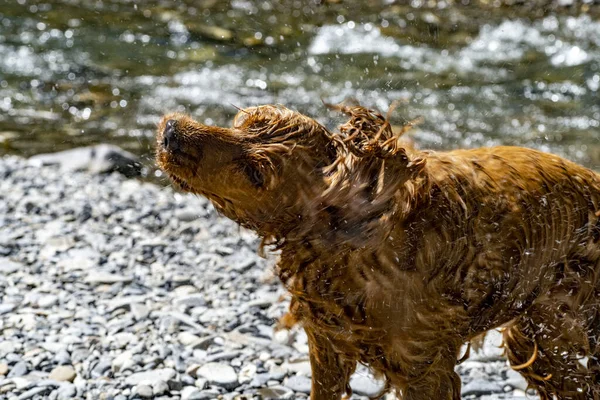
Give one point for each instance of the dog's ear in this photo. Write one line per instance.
(368, 135)
(366, 181)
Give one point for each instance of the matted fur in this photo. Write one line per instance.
(396, 257)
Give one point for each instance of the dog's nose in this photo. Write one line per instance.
(169, 139)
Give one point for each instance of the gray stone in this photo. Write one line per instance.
(160, 388)
(62, 357)
(191, 300)
(188, 339)
(516, 380)
(47, 301)
(201, 383)
(188, 215)
(124, 302)
(53, 347)
(7, 347)
(120, 361)
(101, 368)
(219, 374)
(19, 369)
(277, 373)
(298, 383)
(105, 277)
(63, 373)
(299, 366)
(260, 380)
(32, 393)
(193, 393)
(186, 379)
(8, 266)
(6, 308)
(102, 158)
(223, 356)
(66, 391)
(140, 311)
(175, 384)
(366, 385)
(150, 377)
(144, 391)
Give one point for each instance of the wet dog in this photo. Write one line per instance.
(396, 257)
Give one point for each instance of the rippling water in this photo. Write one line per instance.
(75, 72)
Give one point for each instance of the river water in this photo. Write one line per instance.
(76, 72)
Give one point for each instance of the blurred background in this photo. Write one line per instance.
(480, 72)
(119, 289)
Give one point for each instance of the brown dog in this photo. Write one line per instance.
(396, 257)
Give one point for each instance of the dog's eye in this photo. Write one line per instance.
(255, 176)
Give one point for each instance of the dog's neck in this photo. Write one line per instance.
(345, 222)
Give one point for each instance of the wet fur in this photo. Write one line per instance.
(396, 257)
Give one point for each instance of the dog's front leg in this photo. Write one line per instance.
(433, 379)
(330, 373)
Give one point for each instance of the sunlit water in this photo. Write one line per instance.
(75, 72)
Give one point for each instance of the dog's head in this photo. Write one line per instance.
(276, 169)
(252, 171)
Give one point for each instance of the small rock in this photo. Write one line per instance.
(191, 370)
(260, 380)
(201, 383)
(277, 373)
(299, 383)
(247, 373)
(7, 266)
(53, 347)
(32, 393)
(187, 380)
(62, 357)
(47, 301)
(123, 339)
(174, 384)
(223, 356)
(3, 369)
(101, 368)
(19, 369)
(144, 391)
(139, 311)
(516, 380)
(160, 388)
(63, 373)
(102, 158)
(164, 374)
(66, 391)
(192, 393)
(366, 385)
(107, 278)
(298, 366)
(219, 374)
(6, 347)
(188, 339)
(187, 214)
(121, 360)
(5, 308)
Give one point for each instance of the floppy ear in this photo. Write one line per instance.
(366, 182)
(370, 153)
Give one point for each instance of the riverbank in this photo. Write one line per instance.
(112, 288)
(478, 72)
